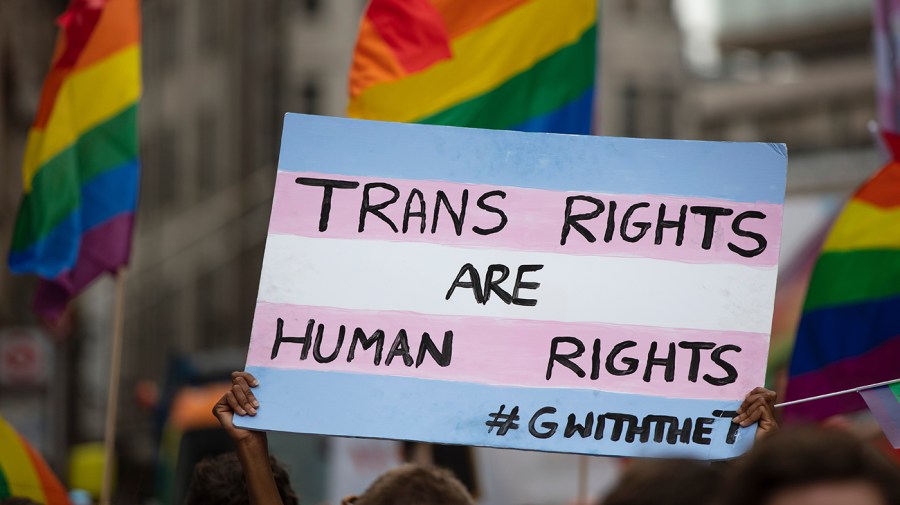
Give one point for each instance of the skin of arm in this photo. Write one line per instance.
(252, 446)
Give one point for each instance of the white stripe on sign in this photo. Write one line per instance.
(416, 277)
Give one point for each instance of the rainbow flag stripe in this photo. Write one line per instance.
(849, 335)
(24, 473)
(80, 170)
(523, 65)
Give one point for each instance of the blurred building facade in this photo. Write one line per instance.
(219, 76)
(642, 71)
(799, 72)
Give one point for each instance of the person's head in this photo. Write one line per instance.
(414, 485)
(814, 466)
(666, 482)
(220, 480)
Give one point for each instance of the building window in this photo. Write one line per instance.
(208, 174)
(170, 41)
(310, 96)
(630, 110)
(312, 7)
(167, 170)
(666, 112)
(630, 8)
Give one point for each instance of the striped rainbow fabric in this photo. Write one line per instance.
(849, 335)
(24, 473)
(80, 170)
(504, 64)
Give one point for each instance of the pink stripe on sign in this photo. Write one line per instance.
(514, 352)
(535, 219)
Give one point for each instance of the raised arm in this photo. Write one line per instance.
(252, 446)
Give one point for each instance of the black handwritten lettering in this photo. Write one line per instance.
(668, 362)
(631, 364)
(279, 338)
(565, 359)
(520, 284)
(682, 434)
(474, 282)
(457, 217)
(662, 224)
(733, 428)
(761, 242)
(731, 373)
(359, 336)
(549, 427)
(583, 430)
(492, 285)
(482, 204)
(709, 226)
(595, 360)
(702, 430)
(626, 220)
(610, 222)
(695, 348)
(317, 347)
(400, 347)
(368, 208)
(329, 186)
(408, 213)
(572, 220)
(441, 357)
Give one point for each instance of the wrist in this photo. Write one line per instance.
(255, 442)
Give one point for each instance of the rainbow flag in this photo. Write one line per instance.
(849, 334)
(80, 170)
(884, 402)
(24, 473)
(524, 65)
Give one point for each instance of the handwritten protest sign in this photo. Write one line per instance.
(549, 292)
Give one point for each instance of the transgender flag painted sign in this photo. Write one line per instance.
(525, 290)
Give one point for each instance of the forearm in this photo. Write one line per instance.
(254, 455)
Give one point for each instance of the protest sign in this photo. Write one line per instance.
(564, 293)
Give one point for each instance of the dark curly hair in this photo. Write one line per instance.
(793, 459)
(667, 482)
(416, 485)
(219, 480)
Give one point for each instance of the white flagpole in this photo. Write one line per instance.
(836, 393)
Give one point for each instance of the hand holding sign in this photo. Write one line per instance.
(758, 407)
(241, 401)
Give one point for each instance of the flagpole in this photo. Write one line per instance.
(112, 398)
(583, 479)
(836, 393)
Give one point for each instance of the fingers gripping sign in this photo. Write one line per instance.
(758, 407)
(238, 400)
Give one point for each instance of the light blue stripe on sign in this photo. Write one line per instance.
(347, 404)
(737, 171)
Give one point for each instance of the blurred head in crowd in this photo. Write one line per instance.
(814, 467)
(220, 480)
(667, 482)
(414, 485)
